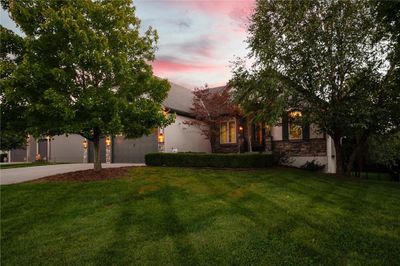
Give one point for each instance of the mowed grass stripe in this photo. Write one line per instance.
(175, 216)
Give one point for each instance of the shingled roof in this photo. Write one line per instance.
(219, 89)
(179, 99)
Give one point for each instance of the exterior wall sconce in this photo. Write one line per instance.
(85, 151)
(85, 144)
(108, 141)
(241, 129)
(161, 138)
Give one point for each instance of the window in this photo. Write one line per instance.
(295, 128)
(227, 132)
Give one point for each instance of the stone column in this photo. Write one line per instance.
(108, 149)
(28, 148)
(85, 151)
(48, 148)
(161, 140)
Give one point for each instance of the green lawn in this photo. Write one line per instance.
(18, 165)
(172, 216)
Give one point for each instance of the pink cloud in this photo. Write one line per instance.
(236, 9)
(239, 11)
(168, 65)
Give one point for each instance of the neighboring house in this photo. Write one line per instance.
(299, 143)
(116, 149)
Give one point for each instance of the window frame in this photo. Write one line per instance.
(290, 124)
(228, 132)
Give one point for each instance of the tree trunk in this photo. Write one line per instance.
(249, 132)
(213, 140)
(351, 161)
(97, 160)
(355, 154)
(339, 156)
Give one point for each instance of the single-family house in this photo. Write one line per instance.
(177, 137)
(300, 143)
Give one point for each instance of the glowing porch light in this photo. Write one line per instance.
(108, 141)
(85, 144)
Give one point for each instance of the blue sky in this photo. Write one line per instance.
(198, 38)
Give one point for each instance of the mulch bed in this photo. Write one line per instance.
(88, 175)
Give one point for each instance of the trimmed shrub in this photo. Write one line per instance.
(313, 166)
(220, 160)
(3, 156)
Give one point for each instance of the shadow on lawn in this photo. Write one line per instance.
(151, 225)
(337, 236)
(322, 226)
(44, 206)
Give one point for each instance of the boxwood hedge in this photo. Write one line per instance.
(249, 160)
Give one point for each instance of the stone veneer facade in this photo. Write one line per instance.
(310, 147)
(292, 148)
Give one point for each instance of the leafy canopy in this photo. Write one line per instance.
(85, 69)
(331, 59)
(12, 134)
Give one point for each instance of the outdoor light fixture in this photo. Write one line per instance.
(240, 128)
(161, 137)
(85, 144)
(295, 114)
(108, 141)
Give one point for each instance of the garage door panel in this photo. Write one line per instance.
(133, 150)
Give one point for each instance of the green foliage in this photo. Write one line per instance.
(13, 124)
(385, 150)
(330, 59)
(86, 69)
(22, 165)
(254, 160)
(11, 140)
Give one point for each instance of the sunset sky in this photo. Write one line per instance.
(198, 38)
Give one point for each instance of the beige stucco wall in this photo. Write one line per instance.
(185, 138)
(331, 155)
(276, 132)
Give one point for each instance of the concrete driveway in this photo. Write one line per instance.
(23, 174)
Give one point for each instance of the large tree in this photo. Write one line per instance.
(329, 58)
(85, 70)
